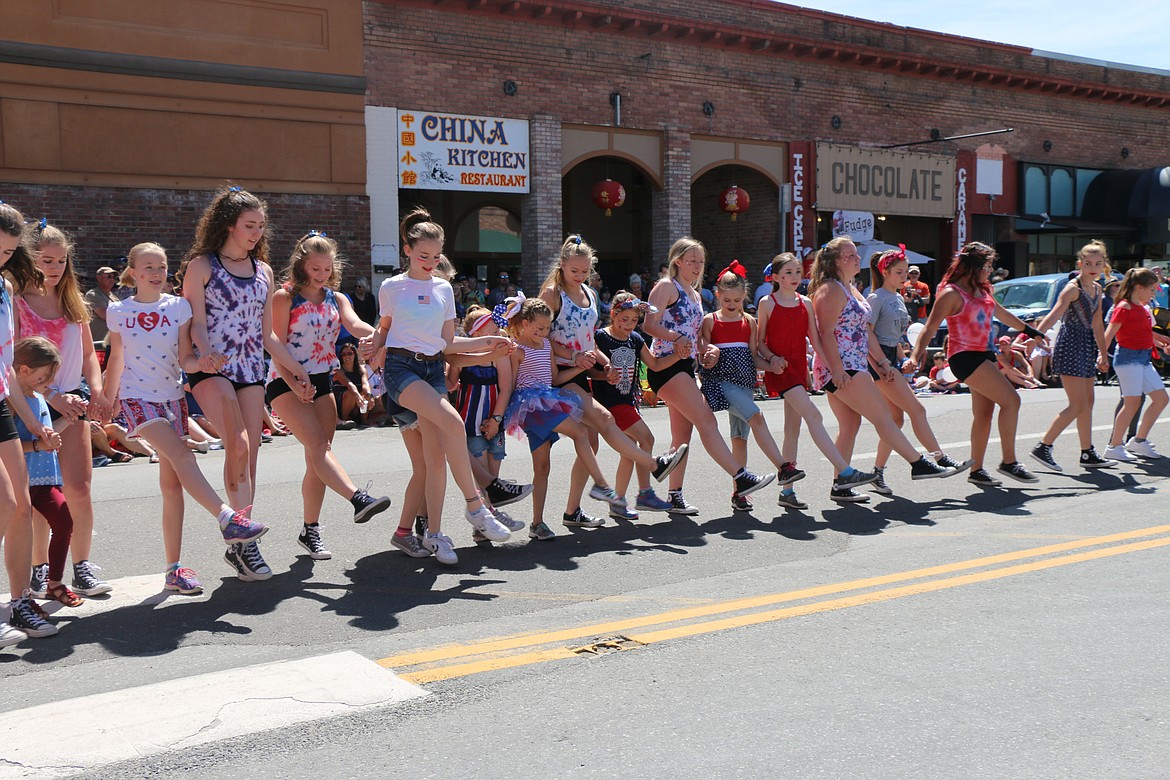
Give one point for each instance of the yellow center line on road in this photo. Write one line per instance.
(534, 640)
(696, 629)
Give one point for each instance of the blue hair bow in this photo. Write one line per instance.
(506, 311)
(233, 189)
(322, 233)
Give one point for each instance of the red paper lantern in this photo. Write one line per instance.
(608, 195)
(734, 201)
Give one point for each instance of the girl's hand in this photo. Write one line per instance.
(613, 375)
(504, 347)
(1103, 363)
(585, 360)
(490, 428)
(302, 386)
(683, 347)
(840, 378)
(452, 383)
(777, 365)
(887, 372)
(366, 348)
(710, 356)
(69, 406)
(212, 362)
(50, 439)
(99, 409)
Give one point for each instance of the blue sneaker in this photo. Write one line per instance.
(242, 528)
(648, 501)
(623, 513)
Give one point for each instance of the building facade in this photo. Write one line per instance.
(504, 116)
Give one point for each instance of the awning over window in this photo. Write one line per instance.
(1140, 198)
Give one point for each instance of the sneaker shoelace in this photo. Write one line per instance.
(251, 555)
(313, 537)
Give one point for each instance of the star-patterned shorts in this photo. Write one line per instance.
(141, 413)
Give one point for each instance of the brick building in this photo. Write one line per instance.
(116, 119)
(679, 99)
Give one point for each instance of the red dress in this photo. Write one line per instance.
(786, 337)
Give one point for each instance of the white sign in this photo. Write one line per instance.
(858, 225)
(798, 205)
(460, 152)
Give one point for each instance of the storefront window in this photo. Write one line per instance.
(1084, 179)
(1035, 190)
(490, 230)
(1060, 183)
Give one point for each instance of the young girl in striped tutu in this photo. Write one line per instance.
(544, 412)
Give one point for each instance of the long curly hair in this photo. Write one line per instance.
(68, 290)
(220, 215)
(20, 266)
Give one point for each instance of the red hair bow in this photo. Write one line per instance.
(736, 268)
(891, 256)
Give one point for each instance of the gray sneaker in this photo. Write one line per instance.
(410, 544)
(856, 479)
(10, 636)
(541, 533)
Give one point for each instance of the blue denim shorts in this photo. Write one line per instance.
(478, 445)
(401, 372)
(741, 407)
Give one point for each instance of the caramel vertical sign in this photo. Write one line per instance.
(460, 152)
(885, 181)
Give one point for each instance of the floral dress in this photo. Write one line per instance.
(852, 335)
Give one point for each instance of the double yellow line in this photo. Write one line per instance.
(447, 662)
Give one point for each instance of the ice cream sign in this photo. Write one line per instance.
(461, 152)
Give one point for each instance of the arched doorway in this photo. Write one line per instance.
(754, 236)
(622, 240)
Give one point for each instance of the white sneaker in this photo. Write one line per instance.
(1117, 452)
(1143, 449)
(10, 636)
(441, 546)
(487, 524)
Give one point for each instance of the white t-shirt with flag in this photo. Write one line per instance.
(418, 309)
(150, 346)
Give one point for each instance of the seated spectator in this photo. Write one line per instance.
(1014, 366)
(351, 389)
(932, 383)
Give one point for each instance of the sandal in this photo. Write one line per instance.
(121, 457)
(65, 596)
(154, 458)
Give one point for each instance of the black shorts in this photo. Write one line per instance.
(964, 364)
(891, 354)
(199, 376)
(581, 381)
(54, 415)
(322, 386)
(829, 387)
(658, 379)
(7, 424)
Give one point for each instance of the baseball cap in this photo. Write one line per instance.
(913, 270)
(105, 269)
(1002, 340)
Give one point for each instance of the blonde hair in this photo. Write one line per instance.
(136, 251)
(312, 243)
(529, 310)
(680, 248)
(825, 262)
(68, 290)
(732, 281)
(444, 269)
(1096, 246)
(574, 246)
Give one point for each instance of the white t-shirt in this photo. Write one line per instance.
(418, 309)
(150, 346)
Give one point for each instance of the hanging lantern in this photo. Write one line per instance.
(733, 200)
(608, 195)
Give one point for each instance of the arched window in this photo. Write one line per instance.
(489, 230)
(1060, 188)
(1035, 190)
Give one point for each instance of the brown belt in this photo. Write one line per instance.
(406, 353)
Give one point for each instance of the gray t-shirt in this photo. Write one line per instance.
(887, 313)
(98, 302)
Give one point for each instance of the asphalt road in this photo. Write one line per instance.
(950, 631)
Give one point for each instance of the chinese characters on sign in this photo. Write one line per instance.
(458, 152)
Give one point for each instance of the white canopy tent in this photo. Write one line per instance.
(867, 248)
